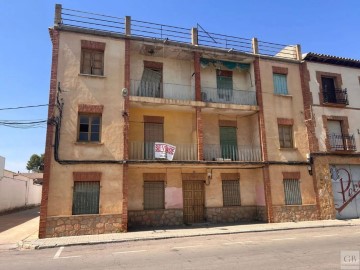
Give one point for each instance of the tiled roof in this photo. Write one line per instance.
(329, 59)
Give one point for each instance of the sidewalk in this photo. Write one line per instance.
(17, 226)
(34, 243)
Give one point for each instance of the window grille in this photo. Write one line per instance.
(154, 193)
(285, 136)
(292, 192)
(280, 84)
(86, 198)
(231, 192)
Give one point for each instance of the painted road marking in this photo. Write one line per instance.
(235, 243)
(281, 239)
(57, 255)
(129, 251)
(69, 257)
(325, 235)
(186, 247)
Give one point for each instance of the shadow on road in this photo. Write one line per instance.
(221, 226)
(9, 221)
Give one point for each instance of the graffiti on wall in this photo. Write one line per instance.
(346, 190)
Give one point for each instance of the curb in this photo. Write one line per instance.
(30, 245)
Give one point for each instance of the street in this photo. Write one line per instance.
(290, 249)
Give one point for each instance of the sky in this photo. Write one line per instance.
(323, 26)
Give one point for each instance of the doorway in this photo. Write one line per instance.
(193, 196)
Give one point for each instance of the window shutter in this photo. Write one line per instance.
(228, 143)
(154, 195)
(280, 84)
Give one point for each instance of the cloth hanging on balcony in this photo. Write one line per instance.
(204, 62)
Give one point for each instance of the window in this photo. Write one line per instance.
(328, 86)
(231, 192)
(89, 128)
(151, 80)
(285, 136)
(338, 138)
(92, 62)
(154, 193)
(228, 143)
(153, 132)
(280, 84)
(224, 82)
(86, 197)
(292, 192)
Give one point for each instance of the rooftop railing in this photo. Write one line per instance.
(163, 32)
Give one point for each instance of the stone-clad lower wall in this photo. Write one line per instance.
(287, 213)
(82, 224)
(231, 214)
(155, 218)
(261, 213)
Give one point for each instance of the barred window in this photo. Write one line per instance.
(285, 136)
(292, 192)
(86, 197)
(231, 192)
(154, 195)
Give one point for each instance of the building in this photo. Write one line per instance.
(171, 126)
(332, 104)
(18, 190)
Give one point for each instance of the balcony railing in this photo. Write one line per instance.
(338, 96)
(342, 142)
(162, 90)
(230, 96)
(145, 151)
(217, 152)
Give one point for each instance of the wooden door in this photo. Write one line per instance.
(193, 195)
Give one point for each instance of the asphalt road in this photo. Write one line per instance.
(292, 249)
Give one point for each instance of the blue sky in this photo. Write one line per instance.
(330, 27)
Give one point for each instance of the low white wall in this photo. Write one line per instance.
(18, 191)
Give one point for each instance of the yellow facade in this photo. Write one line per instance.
(228, 164)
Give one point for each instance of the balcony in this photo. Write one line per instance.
(339, 142)
(229, 96)
(145, 151)
(143, 88)
(338, 96)
(217, 152)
